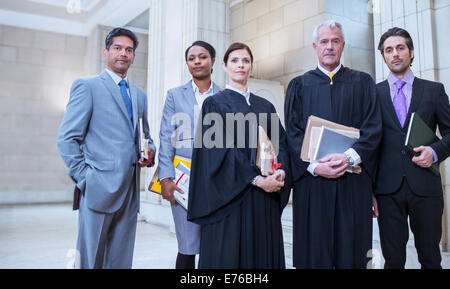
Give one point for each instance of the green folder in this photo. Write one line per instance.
(419, 134)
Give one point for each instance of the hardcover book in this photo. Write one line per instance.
(419, 134)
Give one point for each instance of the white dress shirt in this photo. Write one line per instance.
(200, 97)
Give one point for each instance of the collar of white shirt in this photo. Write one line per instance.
(326, 71)
(244, 94)
(117, 78)
(197, 90)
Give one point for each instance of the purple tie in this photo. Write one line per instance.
(400, 102)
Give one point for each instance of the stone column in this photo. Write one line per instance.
(174, 25)
(420, 18)
(416, 16)
(207, 20)
(155, 83)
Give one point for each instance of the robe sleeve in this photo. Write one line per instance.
(218, 174)
(294, 130)
(284, 159)
(371, 128)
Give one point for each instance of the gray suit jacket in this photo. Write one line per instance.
(98, 142)
(177, 127)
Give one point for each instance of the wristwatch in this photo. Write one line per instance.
(350, 160)
(254, 180)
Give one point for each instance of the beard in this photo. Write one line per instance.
(400, 68)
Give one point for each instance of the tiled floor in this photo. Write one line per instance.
(44, 236)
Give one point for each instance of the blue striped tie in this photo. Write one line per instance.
(126, 99)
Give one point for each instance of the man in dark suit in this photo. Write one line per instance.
(405, 187)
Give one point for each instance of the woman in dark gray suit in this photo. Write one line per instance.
(181, 109)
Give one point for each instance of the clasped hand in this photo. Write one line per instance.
(273, 182)
(332, 166)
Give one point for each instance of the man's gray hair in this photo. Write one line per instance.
(328, 23)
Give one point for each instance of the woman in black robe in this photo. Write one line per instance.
(238, 209)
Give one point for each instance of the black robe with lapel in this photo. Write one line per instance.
(333, 217)
(240, 223)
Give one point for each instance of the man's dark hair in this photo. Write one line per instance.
(395, 31)
(206, 45)
(121, 32)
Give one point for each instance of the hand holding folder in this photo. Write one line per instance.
(155, 184)
(323, 137)
(146, 154)
(419, 134)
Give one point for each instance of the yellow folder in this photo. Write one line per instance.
(155, 184)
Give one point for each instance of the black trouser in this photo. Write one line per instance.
(425, 217)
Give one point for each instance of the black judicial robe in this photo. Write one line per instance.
(332, 218)
(240, 223)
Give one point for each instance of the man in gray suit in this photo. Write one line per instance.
(181, 111)
(98, 141)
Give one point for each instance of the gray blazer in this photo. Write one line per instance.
(98, 142)
(174, 140)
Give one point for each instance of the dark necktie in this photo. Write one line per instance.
(400, 102)
(126, 98)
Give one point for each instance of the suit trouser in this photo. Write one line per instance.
(107, 240)
(425, 218)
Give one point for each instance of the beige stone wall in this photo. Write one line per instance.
(279, 32)
(441, 25)
(37, 69)
(418, 17)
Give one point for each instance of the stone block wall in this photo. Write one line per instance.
(279, 32)
(37, 69)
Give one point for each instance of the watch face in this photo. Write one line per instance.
(350, 160)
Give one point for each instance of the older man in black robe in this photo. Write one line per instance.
(332, 209)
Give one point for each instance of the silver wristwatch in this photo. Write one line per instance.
(350, 160)
(254, 180)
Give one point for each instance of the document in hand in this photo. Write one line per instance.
(155, 185)
(420, 134)
(332, 142)
(182, 176)
(313, 133)
(266, 159)
(143, 142)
